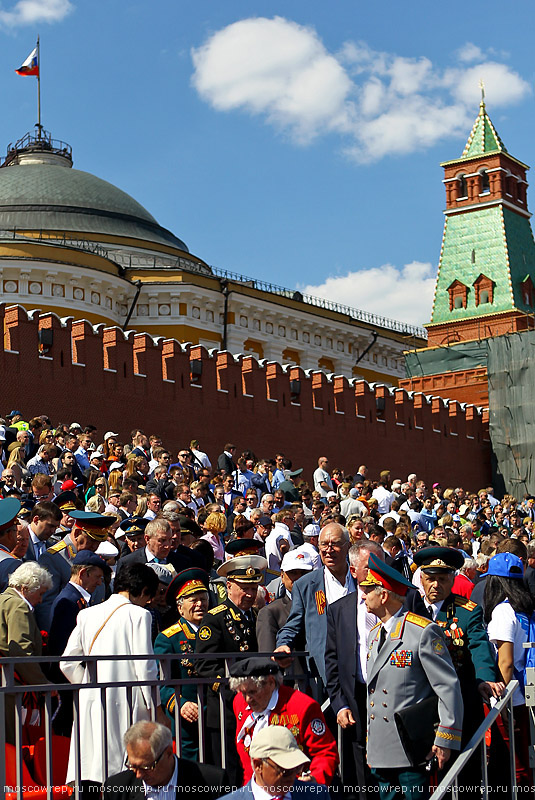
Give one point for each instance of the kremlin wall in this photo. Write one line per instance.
(73, 370)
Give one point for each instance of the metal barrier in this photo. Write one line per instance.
(10, 688)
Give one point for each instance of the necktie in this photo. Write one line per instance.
(382, 638)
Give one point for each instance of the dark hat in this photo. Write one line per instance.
(14, 413)
(133, 526)
(9, 509)
(26, 509)
(294, 473)
(89, 559)
(243, 547)
(187, 582)
(438, 560)
(95, 525)
(381, 574)
(265, 520)
(254, 668)
(66, 501)
(188, 525)
(247, 569)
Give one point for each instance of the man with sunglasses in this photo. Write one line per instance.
(153, 771)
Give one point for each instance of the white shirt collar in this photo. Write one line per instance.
(85, 594)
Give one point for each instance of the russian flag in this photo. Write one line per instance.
(30, 66)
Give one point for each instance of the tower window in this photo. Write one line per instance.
(458, 293)
(483, 290)
(473, 256)
(485, 183)
(462, 190)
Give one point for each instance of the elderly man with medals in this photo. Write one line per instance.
(189, 590)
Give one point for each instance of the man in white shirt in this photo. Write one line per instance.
(199, 456)
(382, 494)
(322, 479)
(154, 505)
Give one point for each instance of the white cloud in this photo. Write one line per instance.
(29, 12)
(404, 293)
(378, 103)
(273, 67)
(469, 52)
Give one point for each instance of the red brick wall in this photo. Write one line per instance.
(116, 382)
(466, 386)
(484, 327)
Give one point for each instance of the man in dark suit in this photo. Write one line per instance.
(152, 767)
(158, 546)
(273, 616)
(225, 461)
(87, 572)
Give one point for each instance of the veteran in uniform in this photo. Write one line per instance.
(466, 638)
(88, 532)
(189, 590)
(262, 700)
(228, 628)
(408, 662)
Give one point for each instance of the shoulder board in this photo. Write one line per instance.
(464, 602)
(176, 628)
(186, 631)
(416, 619)
(57, 547)
(218, 609)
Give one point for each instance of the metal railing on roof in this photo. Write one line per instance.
(321, 302)
(31, 142)
(57, 241)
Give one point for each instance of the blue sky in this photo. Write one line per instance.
(297, 142)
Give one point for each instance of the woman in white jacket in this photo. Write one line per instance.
(119, 626)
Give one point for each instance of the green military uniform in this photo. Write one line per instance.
(227, 629)
(180, 638)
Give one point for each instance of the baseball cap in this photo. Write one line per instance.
(109, 435)
(14, 413)
(293, 560)
(506, 565)
(278, 743)
(115, 465)
(265, 521)
(96, 454)
(312, 529)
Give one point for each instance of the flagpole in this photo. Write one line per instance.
(39, 126)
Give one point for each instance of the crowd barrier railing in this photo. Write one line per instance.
(12, 776)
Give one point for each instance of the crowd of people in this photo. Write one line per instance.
(111, 547)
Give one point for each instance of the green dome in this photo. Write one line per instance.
(50, 197)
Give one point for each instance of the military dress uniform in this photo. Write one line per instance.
(227, 629)
(180, 639)
(59, 558)
(408, 661)
(471, 652)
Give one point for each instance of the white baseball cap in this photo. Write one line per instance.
(293, 560)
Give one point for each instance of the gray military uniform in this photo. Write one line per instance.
(412, 665)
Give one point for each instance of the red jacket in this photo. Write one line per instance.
(304, 717)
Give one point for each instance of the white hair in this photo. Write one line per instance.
(30, 576)
(157, 735)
